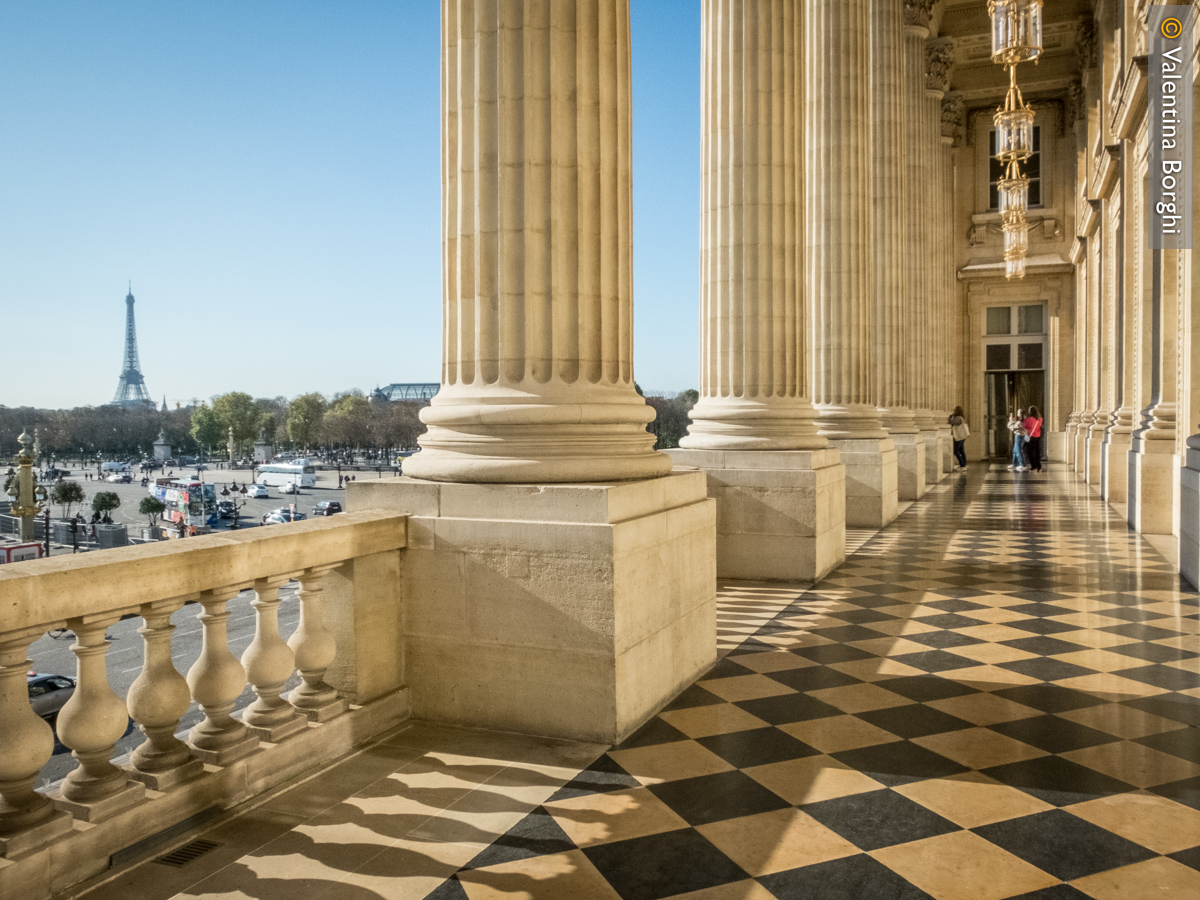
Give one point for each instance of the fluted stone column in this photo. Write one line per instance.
(537, 371)
(780, 491)
(939, 57)
(559, 578)
(944, 321)
(891, 187)
(838, 233)
(1119, 287)
(953, 137)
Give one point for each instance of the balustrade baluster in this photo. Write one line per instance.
(28, 819)
(157, 699)
(269, 663)
(315, 649)
(91, 723)
(216, 680)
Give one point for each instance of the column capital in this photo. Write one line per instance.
(939, 64)
(954, 118)
(917, 13)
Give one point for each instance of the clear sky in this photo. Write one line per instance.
(267, 174)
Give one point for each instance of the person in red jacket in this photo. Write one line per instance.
(1033, 443)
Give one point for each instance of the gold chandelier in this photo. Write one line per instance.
(1016, 38)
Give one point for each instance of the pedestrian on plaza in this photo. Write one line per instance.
(959, 432)
(1017, 427)
(1033, 443)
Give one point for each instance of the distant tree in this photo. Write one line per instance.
(671, 418)
(304, 418)
(237, 411)
(152, 508)
(66, 494)
(206, 427)
(105, 502)
(348, 421)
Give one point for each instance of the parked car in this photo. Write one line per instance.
(327, 508)
(281, 515)
(49, 693)
(290, 488)
(257, 491)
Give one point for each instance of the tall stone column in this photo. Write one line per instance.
(780, 491)
(537, 371)
(546, 591)
(892, 190)
(1120, 289)
(948, 309)
(838, 232)
(939, 60)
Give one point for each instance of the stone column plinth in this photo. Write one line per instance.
(537, 356)
(754, 429)
(838, 231)
(558, 579)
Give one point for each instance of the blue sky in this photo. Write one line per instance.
(267, 174)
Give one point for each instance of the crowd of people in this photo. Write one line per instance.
(1026, 428)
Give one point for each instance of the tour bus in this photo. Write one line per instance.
(187, 500)
(278, 474)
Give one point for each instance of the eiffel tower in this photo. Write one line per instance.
(131, 389)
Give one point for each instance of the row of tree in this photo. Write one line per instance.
(310, 421)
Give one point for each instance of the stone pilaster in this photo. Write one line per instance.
(838, 217)
(1120, 285)
(537, 373)
(953, 136)
(892, 197)
(780, 490)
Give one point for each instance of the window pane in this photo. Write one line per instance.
(998, 319)
(1029, 320)
(1029, 356)
(998, 357)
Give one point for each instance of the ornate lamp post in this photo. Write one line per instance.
(27, 494)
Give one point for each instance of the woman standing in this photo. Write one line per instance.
(1017, 427)
(960, 432)
(1033, 443)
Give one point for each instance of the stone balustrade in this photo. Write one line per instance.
(345, 565)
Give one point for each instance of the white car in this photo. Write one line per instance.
(257, 492)
(290, 488)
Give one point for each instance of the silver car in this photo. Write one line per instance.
(49, 693)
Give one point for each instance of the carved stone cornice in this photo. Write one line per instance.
(917, 13)
(1085, 43)
(939, 63)
(954, 118)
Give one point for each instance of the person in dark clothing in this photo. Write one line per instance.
(959, 432)
(1033, 440)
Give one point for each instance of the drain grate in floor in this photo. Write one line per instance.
(181, 856)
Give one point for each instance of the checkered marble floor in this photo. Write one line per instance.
(998, 696)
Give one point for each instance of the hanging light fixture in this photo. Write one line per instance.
(1014, 125)
(1014, 193)
(1016, 31)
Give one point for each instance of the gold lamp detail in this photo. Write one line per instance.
(1016, 31)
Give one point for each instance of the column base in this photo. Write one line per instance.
(781, 514)
(27, 840)
(571, 611)
(230, 753)
(1054, 444)
(910, 465)
(105, 808)
(273, 734)
(1093, 469)
(1114, 467)
(871, 499)
(1154, 489)
(933, 457)
(947, 450)
(325, 711)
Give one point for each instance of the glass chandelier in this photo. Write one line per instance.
(1016, 38)
(1016, 31)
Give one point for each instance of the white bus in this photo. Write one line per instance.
(279, 474)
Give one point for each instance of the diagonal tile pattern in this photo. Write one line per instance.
(995, 697)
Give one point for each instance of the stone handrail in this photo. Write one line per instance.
(88, 594)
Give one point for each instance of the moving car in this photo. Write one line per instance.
(49, 693)
(226, 509)
(257, 491)
(281, 515)
(289, 488)
(119, 479)
(327, 508)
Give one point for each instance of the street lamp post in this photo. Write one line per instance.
(27, 493)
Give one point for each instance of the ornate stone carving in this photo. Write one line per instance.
(1076, 105)
(939, 62)
(918, 12)
(954, 118)
(1085, 43)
